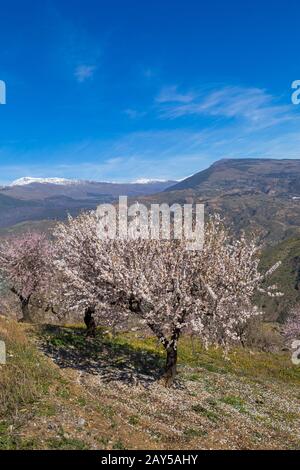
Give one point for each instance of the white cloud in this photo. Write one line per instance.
(244, 122)
(170, 94)
(169, 154)
(84, 72)
(252, 105)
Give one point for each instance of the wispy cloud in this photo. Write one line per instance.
(231, 122)
(171, 94)
(134, 113)
(84, 72)
(252, 105)
(154, 154)
(77, 51)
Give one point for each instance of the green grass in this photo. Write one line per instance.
(239, 361)
(47, 410)
(133, 420)
(191, 433)
(81, 401)
(7, 442)
(234, 401)
(64, 443)
(10, 441)
(26, 377)
(146, 354)
(29, 385)
(107, 411)
(118, 445)
(211, 415)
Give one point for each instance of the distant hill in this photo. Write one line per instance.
(270, 176)
(287, 277)
(41, 189)
(258, 195)
(28, 199)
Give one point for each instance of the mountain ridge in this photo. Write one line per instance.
(231, 171)
(256, 195)
(29, 180)
(25, 180)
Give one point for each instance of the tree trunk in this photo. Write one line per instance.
(25, 310)
(171, 365)
(24, 305)
(90, 322)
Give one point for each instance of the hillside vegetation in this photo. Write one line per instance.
(256, 195)
(62, 391)
(287, 278)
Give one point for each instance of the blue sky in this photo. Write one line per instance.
(120, 90)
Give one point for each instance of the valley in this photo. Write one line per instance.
(36, 201)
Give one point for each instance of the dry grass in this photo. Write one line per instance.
(102, 394)
(27, 376)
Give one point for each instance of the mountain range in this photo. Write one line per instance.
(31, 199)
(258, 195)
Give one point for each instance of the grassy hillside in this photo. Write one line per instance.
(287, 277)
(60, 391)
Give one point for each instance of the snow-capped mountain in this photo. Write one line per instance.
(65, 182)
(32, 199)
(148, 181)
(30, 180)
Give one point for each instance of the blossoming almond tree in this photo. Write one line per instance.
(169, 287)
(291, 328)
(23, 264)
